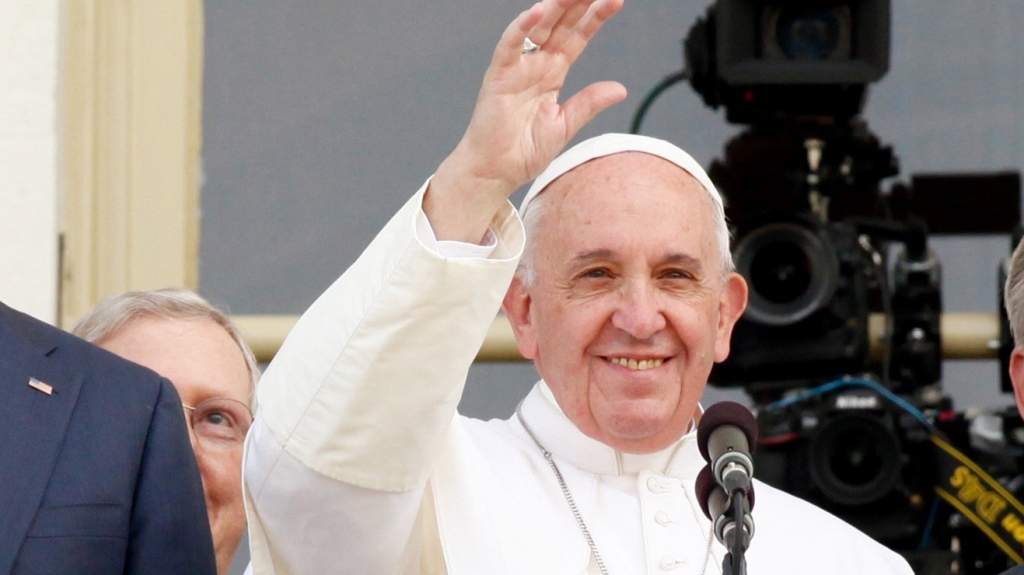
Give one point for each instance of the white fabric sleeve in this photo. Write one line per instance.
(308, 523)
(355, 405)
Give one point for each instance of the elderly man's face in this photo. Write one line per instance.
(629, 308)
(203, 362)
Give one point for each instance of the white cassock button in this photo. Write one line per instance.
(656, 485)
(663, 518)
(668, 563)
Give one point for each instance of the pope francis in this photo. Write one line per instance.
(616, 276)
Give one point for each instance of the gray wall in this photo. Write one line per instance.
(321, 118)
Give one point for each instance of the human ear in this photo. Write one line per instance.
(1017, 376)
(517, 304)
(730, 308)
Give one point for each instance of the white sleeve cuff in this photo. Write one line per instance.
(453, 249)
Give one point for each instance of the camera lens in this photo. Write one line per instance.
(781, 271)
(792, 271)
(807, 34)
(854, 459)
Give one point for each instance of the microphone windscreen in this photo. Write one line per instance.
(705, 484)
(725, 413)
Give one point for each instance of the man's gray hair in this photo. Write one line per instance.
(113, 313)
(1013, 294)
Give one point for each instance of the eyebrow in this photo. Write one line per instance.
(598, 254)
(605, 253)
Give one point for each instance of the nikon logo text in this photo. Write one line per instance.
(856, 402)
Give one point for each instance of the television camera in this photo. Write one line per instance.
(840, 348)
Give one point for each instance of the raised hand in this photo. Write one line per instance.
(518, 125)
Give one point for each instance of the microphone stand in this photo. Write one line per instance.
(735, 562)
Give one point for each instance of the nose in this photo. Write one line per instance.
(638, 312)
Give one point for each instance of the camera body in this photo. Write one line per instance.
(762, 58)
(795, 42)
(807, 313)
(854, 454)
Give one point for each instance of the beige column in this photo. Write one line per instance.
(130, 94)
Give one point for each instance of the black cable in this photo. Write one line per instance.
(739, 541)
(665, 84)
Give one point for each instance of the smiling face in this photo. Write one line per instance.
(629, 306)
(203, 362)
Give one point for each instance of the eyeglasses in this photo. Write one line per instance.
(219, 422)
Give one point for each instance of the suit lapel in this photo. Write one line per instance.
(32, 427)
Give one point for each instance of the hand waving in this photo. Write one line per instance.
(518, 125)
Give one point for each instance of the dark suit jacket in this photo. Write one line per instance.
(99, 476)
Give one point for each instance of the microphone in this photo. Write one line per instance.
(725, 436)
(715, 505)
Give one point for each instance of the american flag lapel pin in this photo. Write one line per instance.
(41, 386)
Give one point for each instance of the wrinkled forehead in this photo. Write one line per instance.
(610, 144)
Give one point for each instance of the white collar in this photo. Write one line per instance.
(562, 438)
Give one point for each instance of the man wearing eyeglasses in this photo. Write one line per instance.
(181, 336)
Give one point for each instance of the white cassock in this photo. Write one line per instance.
(357, 462)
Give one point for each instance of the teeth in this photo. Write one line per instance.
(637, 365)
